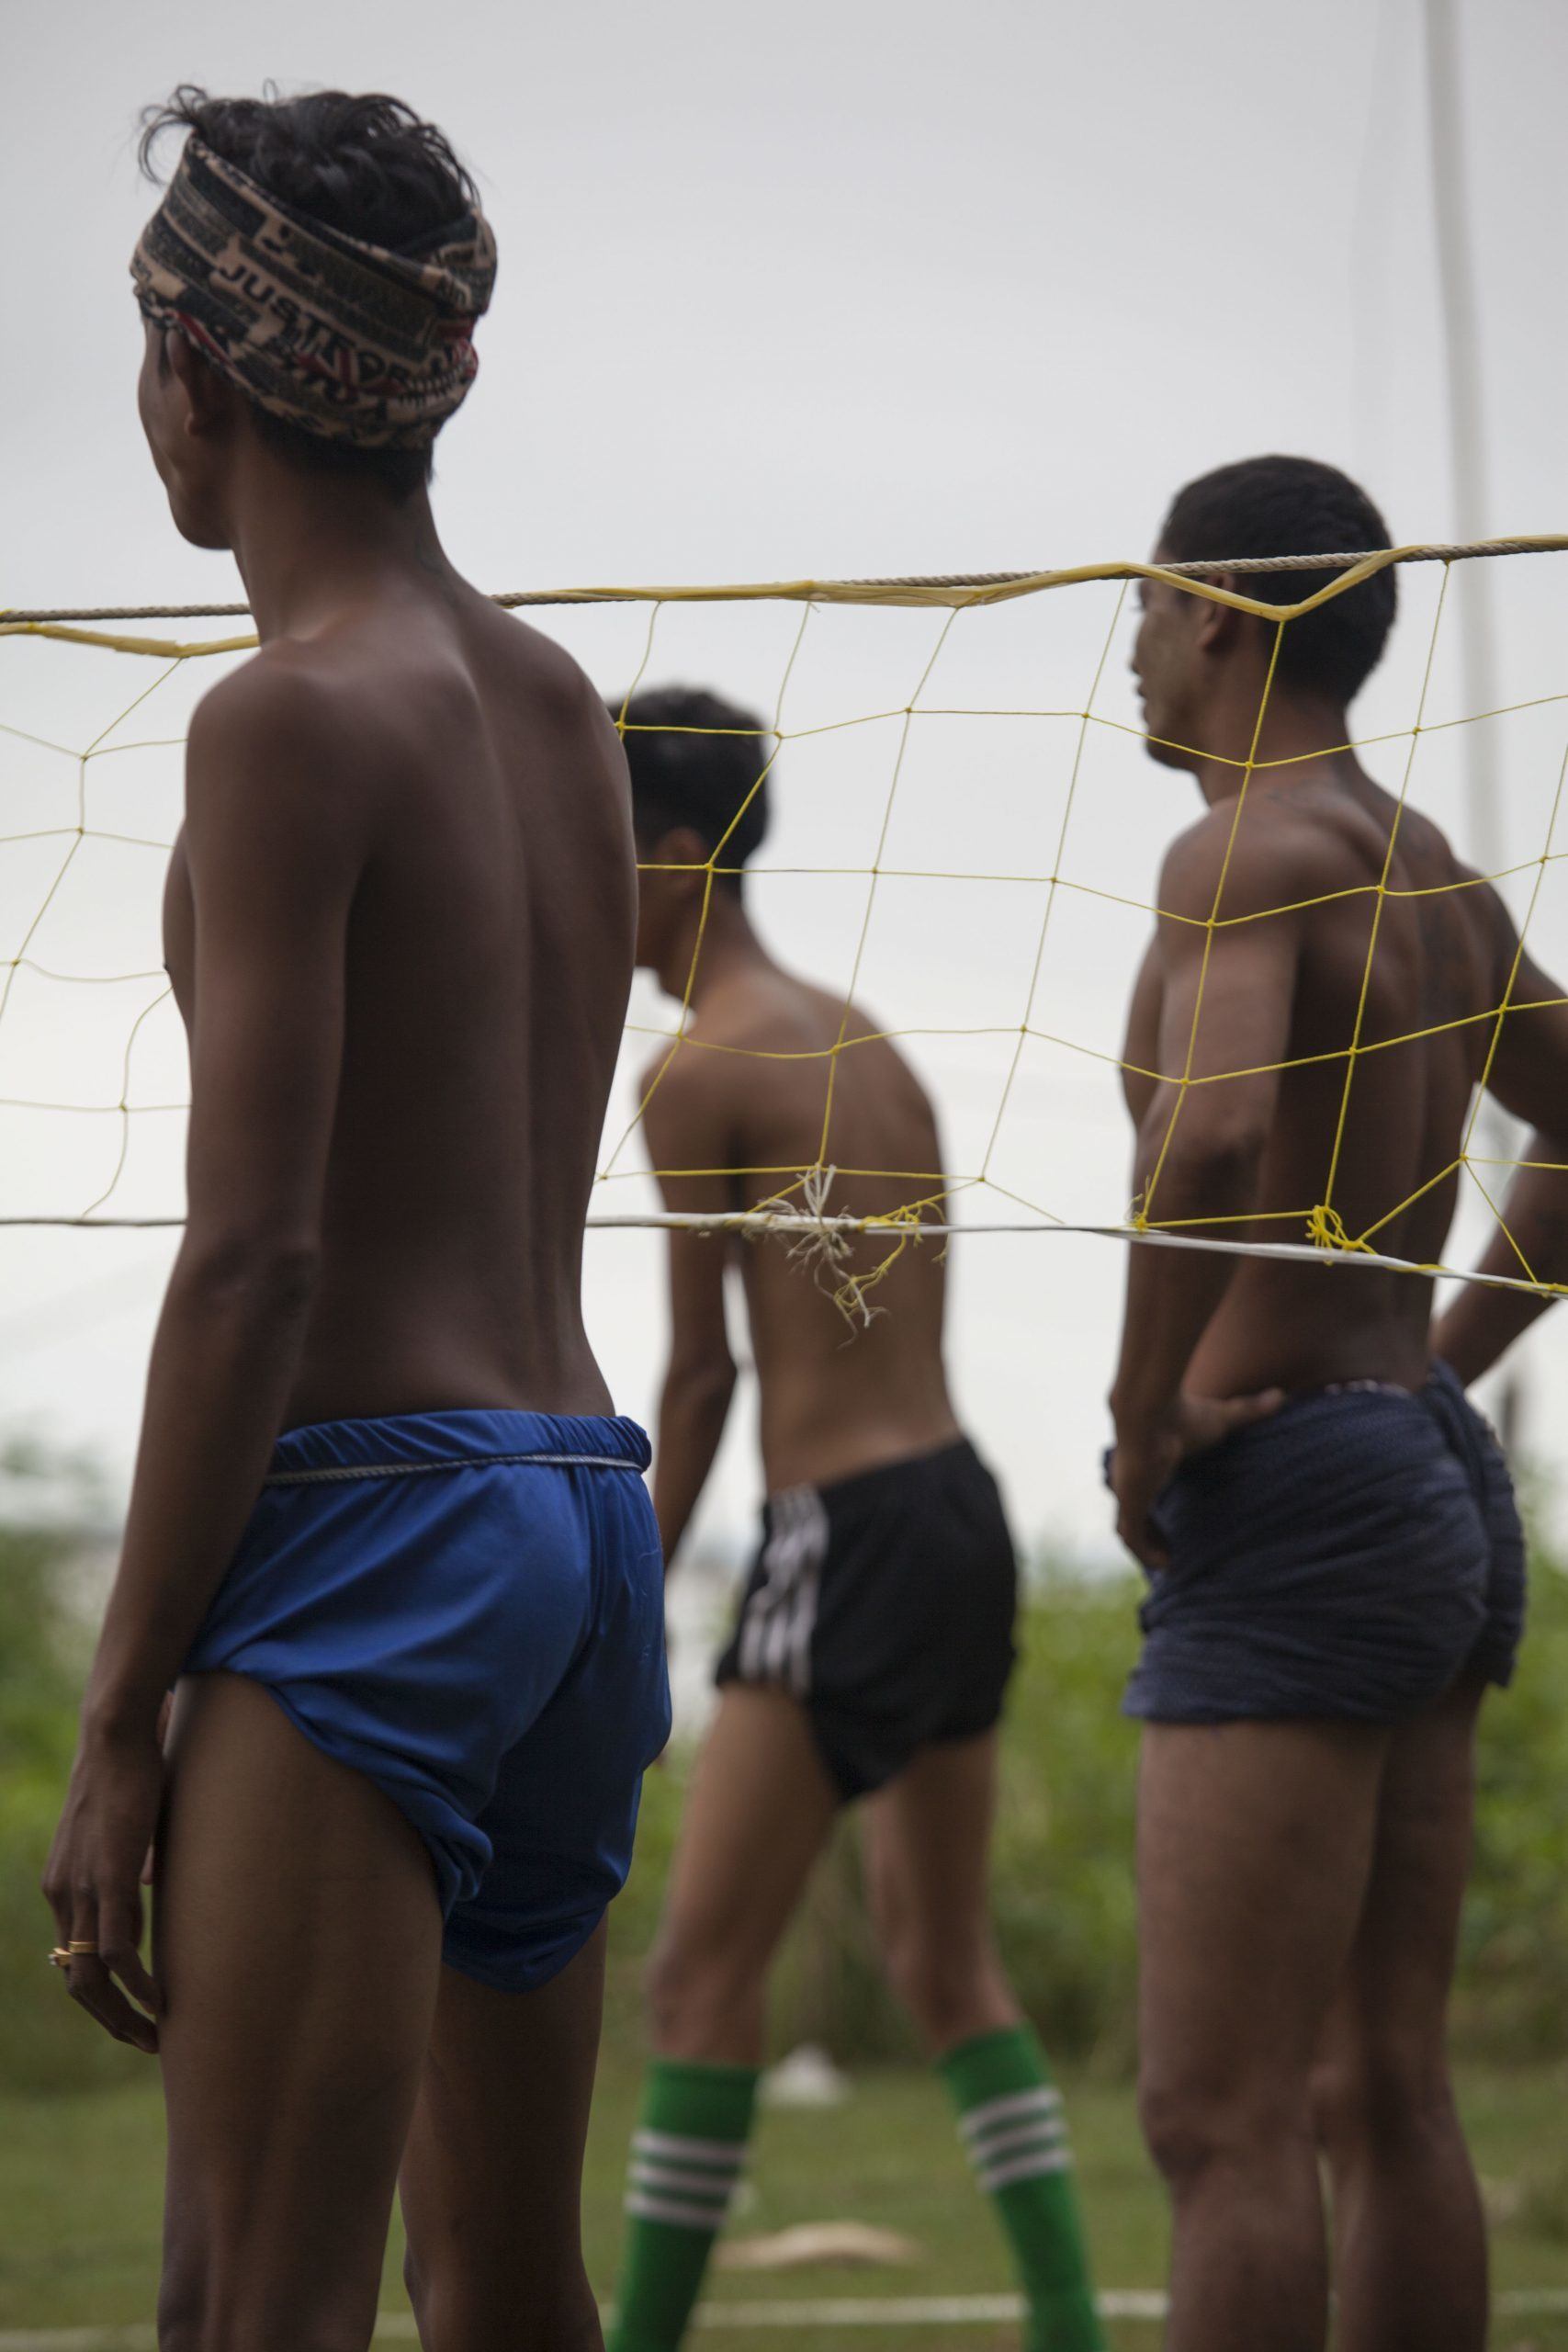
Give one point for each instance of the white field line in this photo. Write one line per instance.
(843, 2311)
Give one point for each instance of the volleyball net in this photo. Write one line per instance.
(966, 836)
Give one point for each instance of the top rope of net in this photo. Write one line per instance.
(934, 588)
(796, 1209)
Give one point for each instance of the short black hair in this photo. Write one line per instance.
(694, 759)
(368, 166)
(1294, 506)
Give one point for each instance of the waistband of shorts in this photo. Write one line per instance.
(861, 1485)
(404, 1445)
(1441, 1385)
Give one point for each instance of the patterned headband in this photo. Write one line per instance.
(349, 341)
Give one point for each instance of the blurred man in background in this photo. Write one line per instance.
(1336, 1568)
(874, 1641)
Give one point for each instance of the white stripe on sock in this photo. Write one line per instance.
(699, 2184)
(980, 2119)
(643, 2207)
(727, 2154)
(1047, 2131)
(1024, 2168)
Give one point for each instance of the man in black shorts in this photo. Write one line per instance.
(1336, 1563)
(874, 1636)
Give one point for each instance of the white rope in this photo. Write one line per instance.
(510, 600)
(749, 1223)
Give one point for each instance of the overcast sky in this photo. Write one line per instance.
(830, 290)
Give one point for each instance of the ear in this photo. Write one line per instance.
(206, 401)
(1219, 626)
(683, 848)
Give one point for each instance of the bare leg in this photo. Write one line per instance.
(1410, 2241)
(760, 1811)
(928, 1861)
(298, 1939)
(1255, 1842)
(493, 2176)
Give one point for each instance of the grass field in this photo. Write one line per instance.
(80, 2187)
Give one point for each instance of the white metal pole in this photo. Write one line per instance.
(1468, 470)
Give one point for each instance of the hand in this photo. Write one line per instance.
(1144, 1459)
(92, 1881)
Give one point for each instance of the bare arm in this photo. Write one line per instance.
(1529, 1077)
(688, 1125)
(273, 848)
(1225, 1024)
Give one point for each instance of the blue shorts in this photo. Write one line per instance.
(468, 1608)
(1347, 1559)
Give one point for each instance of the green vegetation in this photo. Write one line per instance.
(80, 2156)
(1063, 1883)
(80, 2188)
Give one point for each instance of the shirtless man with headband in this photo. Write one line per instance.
(384, 1537)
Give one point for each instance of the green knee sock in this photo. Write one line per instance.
(685, 2161)
(1010, 2120)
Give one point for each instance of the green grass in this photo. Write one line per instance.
(80, 2188)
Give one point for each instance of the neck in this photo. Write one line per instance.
(729, 946)
(1301, 737)
(309, 546)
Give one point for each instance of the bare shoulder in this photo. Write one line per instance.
(559, 689)
(1275, 851)
(289, 739)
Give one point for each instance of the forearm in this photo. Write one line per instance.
(1173, 1295)
(1481, 1323)
(223, 1362)
(693, 1411)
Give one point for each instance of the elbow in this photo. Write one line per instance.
(704, 1385)
(257, 1273)
(1218, 1162)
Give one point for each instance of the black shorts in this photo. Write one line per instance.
(885, 1605)
(1347, 1559)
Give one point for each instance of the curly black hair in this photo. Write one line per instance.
(1294, 506)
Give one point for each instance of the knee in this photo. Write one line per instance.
(454, 2314)
(1379, 2098)
(212, 2323)
(1193, 2125)
(692, 1990)
(950, 1990)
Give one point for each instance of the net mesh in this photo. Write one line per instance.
(909, 722)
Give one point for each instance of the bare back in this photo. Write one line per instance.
(1439, 964)
(839, 1393)
(487, 966)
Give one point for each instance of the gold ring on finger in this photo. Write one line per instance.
(73, 1949)
(60, 1956)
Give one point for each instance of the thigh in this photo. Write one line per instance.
(1391, 2012)
(1255, 1844)
(759, 1813)
(298, 1937)
(927, 1843)
(491, 2175)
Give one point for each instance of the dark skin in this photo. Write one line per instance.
(837, 1397)
(1205, 1336)
(830, 1407)
(399, 922)
(1299, 1883)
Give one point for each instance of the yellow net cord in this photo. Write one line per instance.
(798, 1208)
